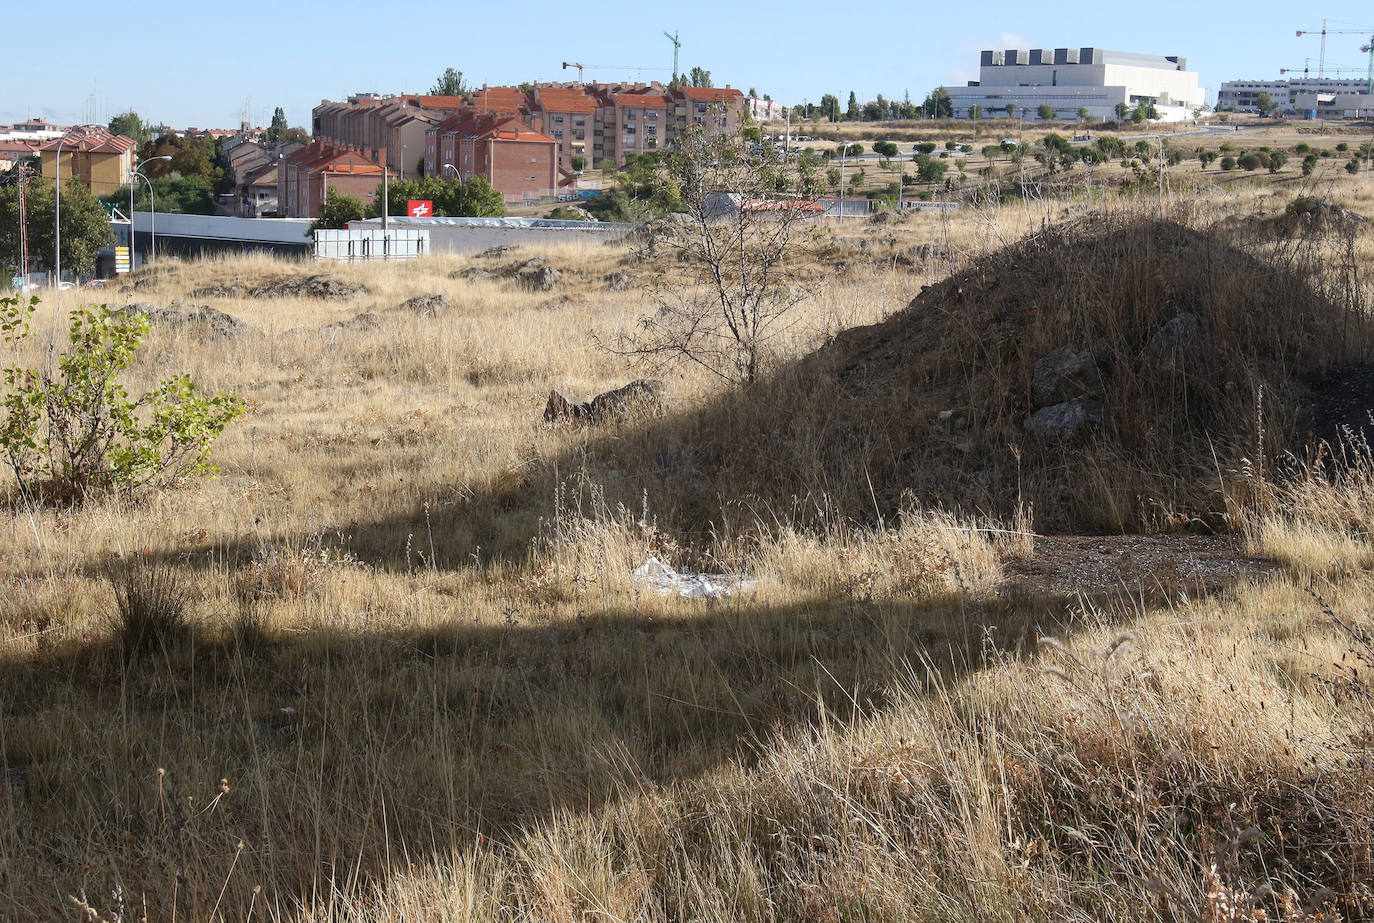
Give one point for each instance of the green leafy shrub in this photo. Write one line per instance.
(71, 429)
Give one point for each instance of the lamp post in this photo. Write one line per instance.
(57, 217)
(458, 176)
(152, 247)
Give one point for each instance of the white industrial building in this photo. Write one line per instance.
(1069, 79)
(1312, 97)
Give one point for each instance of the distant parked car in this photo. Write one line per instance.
(65, 286)
(93, 283)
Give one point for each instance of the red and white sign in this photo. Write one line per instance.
(420, 208)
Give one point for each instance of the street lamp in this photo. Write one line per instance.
(458, 176)
(57, 215)
(152, 247)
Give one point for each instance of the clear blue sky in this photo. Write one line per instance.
(202, 64)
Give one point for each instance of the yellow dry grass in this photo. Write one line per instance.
(416, 686)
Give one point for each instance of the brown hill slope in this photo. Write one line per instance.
(1171, 355)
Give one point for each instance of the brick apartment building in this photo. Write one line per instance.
(717, 109)
(599, 122)
(305, 177)
(568, 115)
(630, 123)
(517, 160)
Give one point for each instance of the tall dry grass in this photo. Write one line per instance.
(417, 681)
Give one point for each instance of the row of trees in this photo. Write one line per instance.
(939, 105)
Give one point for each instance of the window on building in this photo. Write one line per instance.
(630, 115)
(701, 107)
(629, 129)
(579, 120)
(579, 134)
(558, 120)
(558, 133)
(629, 141)
(650, 115)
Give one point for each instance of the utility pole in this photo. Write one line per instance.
(386, 199)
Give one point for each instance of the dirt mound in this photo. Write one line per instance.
(316, 286)
(1112, 377)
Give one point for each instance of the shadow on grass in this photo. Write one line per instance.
(348, 756)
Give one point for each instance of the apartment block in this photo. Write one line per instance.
(630, 123)
(305, 177)
(98, 160)
(519, 162)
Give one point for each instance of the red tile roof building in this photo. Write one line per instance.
(305, 177)
(600, 123)
(100, 161)
(519, 162)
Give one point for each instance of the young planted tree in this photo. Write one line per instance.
(337, 211)
(70, 429)
(1044, 112)
(730, 294)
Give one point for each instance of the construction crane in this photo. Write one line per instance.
(1307, 66)
(676, 45)
(1321, 62)
(1369, 72)
(609, 67)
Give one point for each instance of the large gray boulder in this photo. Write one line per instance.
(427, 305)
(1061, 423)
(1179, 342)
(642, 395)
(1062, 375)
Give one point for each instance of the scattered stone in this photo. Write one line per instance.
(1061, 423)
(541, 279)
(364, 321)
(641, 395)
(1063, 374)
(472, 274)
(1178, 341)
(204, 319)
(316, 286)
(617, 281)
(427, 305)
(953, 420)
(492, 253)
(564, 406)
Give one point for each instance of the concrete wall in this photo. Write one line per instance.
(472, 235)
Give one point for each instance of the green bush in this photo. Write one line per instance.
(75, 431)
(1353, 166)
(1228, 162)
(1309, 163)
(1342, 147)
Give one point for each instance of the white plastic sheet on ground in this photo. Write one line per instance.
(668, 582)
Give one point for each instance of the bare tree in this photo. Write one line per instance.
(726, 290)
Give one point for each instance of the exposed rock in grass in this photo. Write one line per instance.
(200, 318)
(1063, 374)
(427, 305)
(617, 281)
(1061, 423)
(316, 286)
(642, 395)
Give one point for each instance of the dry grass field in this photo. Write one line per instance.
(400, 668)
